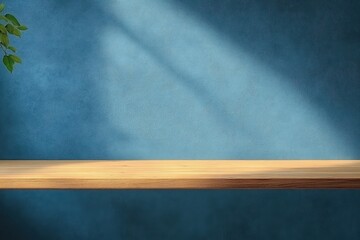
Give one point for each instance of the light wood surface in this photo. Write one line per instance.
(179, 174)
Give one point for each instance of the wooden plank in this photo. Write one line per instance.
(179, 174)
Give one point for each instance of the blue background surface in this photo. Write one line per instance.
(182, 79)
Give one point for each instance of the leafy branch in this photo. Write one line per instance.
(9, 25)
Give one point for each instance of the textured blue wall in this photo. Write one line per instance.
(183, 79)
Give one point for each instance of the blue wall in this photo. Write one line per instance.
(182, 79)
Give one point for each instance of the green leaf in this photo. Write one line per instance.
(12, 30)
(4, 39)
(15, 58)
(22, 28)
(17, 32)
(9, 24)
(9, 27)
(12, 48)
(2, 29)
(4, 18)
(12, 19)
(2, 6)
(9, 63)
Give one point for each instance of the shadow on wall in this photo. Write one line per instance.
(16, 224)
(193, 93)
(314, 44)
(180, 214)
(51, 105)
(183, 89)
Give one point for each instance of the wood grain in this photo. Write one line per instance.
(179, 174)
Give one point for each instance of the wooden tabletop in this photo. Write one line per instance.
(179, 174)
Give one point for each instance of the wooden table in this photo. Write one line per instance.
(179, 174)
